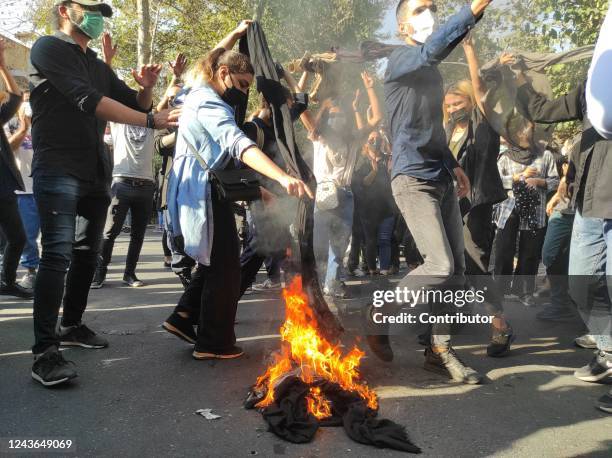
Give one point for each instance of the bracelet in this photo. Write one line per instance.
(150, 120)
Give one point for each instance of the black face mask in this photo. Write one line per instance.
(238, 100)
(460, 115)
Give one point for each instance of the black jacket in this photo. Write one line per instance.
(66, 86)
(478, 158)
(7, 158)
(591, 174)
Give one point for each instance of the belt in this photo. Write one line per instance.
(134, 181)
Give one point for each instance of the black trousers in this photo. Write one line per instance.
(214, 290)
(139, 201)
(529, 255)
(14, 234)
(357, 250)
(478, 237)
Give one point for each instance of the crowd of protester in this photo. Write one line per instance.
(430, 176)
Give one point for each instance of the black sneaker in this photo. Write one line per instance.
(556, 313)
(381, 347)
(449, 364)
(180, 327)
(605, 402)
(15, 290)
(598, 369)
(231, 353)
(50, 368)
(82, 336)
(99, 277)
(132, 280)
(500, 343)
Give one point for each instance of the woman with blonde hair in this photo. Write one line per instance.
(209, 137)
(476, 146)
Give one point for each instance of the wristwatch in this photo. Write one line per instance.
(150, 120)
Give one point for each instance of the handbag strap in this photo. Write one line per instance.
(197, 155)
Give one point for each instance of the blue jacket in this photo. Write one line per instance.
(414, 95)
(208, 124)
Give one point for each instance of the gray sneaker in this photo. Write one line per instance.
(598, 369)
(605, 402)
(27, 281)
(449, 364)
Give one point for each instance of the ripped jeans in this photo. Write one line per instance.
(72, 215)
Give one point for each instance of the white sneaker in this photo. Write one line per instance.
(586, 341)
(267, 285)
(27, 281)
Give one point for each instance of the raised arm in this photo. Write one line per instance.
(17, 138)
(232, 38)
(8, 109)
(377, 114)
(472, 60)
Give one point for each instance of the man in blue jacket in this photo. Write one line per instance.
(423, 167)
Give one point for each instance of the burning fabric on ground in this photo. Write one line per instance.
(311, 384)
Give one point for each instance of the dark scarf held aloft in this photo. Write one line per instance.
(289, 419)
(520, 156)
(255, 45)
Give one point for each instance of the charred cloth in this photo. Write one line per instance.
(289, 416)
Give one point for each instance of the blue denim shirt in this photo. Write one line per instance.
(414, 96)
(208, 124)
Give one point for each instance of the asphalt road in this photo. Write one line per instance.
(139, 397)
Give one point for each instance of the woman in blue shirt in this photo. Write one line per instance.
(206, 224)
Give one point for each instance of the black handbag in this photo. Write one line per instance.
(232, 184)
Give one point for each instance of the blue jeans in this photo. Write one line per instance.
(332, 230)
(555, 256)
(72, 214)
(589, 279)
(385, 236)
(31, 223)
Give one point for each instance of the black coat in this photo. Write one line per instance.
(478, 158)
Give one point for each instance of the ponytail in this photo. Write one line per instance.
(205, 67)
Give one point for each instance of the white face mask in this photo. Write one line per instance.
(423, 26)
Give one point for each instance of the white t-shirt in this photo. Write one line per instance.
(23, 156)
(133, 148)
(334, 164)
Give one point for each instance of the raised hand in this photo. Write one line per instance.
(147, 76)
(478, 6)
(368, 82)
(108, 50)
(468, 41)
(179, 65)
(507, 58)
(242, 28)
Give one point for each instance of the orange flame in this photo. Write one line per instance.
(315, 357)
